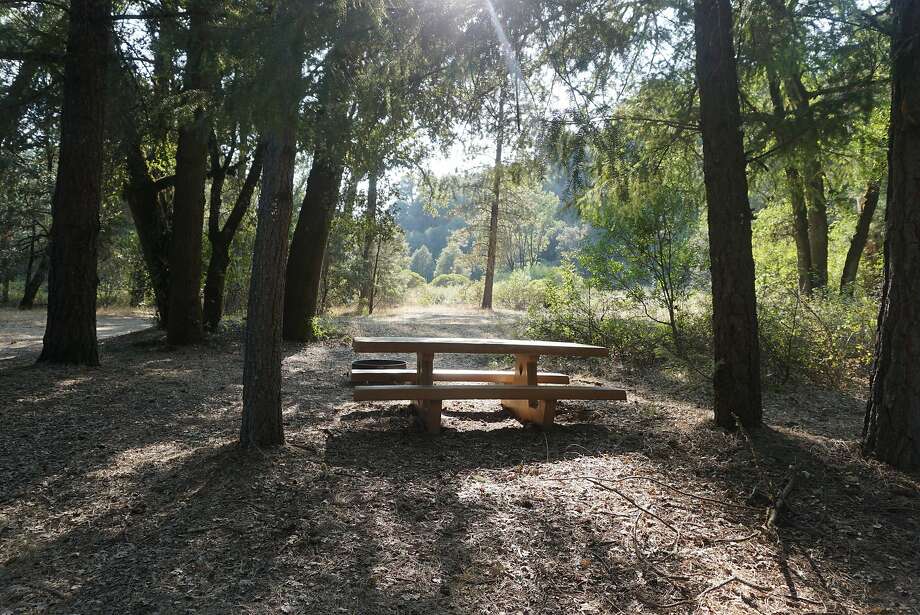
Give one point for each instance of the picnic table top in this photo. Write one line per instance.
(461, 345)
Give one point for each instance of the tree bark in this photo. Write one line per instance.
(868, 204)
(222, 238)
(308, 247)
(185, 321)
(261, 421)
(892, 427)
(496, 203)
(70, 333)
(736, 381)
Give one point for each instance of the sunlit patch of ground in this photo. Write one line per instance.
(122, 490)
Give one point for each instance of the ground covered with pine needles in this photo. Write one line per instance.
(122, 490)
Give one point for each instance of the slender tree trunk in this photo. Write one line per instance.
(817, 217)
(185, 318)
(222, 238)
(70, 333)
(34, 281)
(868, 204)
(892, 427)
(308, 248)
(371, 302)
(736, 381)
(370, 225)
(800, 229)
(311, 235)
(261, 422)
(496, 203)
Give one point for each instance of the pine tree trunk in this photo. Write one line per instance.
(185, 317)
(70, 333)
(308, 247)
(496, 203)
(858, 243)
(261, 422)
(892, 427)
(737, 392)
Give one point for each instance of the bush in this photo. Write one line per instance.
(828, 338)
(412, 280)
(518, 291)
(450, 279)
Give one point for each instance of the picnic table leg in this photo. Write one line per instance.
(540, 412)
(429, 411)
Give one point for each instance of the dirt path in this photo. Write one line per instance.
(122, 490)
(21, 331)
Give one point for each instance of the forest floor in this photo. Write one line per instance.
(122, 490)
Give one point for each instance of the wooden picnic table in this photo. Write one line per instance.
(521, 395)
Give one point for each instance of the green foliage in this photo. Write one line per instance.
(448, 261)
(412, 280)
(422, 263)
(828, 338)
(450, 279)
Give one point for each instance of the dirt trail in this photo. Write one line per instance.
(122, 490)
(21, 331)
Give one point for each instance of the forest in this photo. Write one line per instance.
(205, 203)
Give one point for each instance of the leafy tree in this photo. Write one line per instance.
(422, 263)
(646, 249)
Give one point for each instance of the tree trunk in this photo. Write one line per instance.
(817, 217)
(496, 203)
(70, 333)
(261, 422)
(800, 229)
(892, 427)
(370, 224)
(736, 381)
(371, 299)
(308, 247)
(34, 281)
(867, 211)
(151, 224)
(185, 318)
(222, 238)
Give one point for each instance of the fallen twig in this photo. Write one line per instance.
(781, 504)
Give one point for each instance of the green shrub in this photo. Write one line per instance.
(450, 279)
(412, 280)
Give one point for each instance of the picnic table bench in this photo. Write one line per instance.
(528, 394)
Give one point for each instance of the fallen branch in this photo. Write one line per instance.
(634, 503)
(775, 512)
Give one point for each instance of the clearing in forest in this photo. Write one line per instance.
(122, 489)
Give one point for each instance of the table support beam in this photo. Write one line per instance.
(429, 411)
(539, 412)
